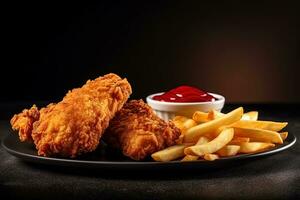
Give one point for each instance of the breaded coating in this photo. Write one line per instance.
(74, 125)
(139, 132)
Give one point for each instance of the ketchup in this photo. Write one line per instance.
(184, 94)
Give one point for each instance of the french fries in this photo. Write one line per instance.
(266, 125)
(216, 144)
(200, 117)
(202, 140)
(189, 124)
(178, 121)
(254, 147)
(184, 123)
(229, 150)
(195, 132)
(211, 135)
(190, 158)
(213, 114)
(240, 139)
(210, 157)
(253, 115)
(259, 135)
(170, 153)
(283, 135)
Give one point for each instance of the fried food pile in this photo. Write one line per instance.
(75, 125)
(213, 135)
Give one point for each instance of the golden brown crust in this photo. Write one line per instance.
(139, 132)
(24, 122)
(75, 125)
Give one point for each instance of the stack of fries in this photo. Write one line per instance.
(212, 135)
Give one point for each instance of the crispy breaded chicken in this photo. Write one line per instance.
(74, 125)
(139, 132)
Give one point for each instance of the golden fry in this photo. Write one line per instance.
(240, 139)
(189, 124)
(183, 123)
(211, 157)
(253, 147)
(283, 135)
(189, 158)
(259, 135)
(253, 115)
(213, 114)
(229, 150)
(216, 144)
(179, 121)
(200, 117)
(180, 118)
(195, 132)
(267, 125)
(170, 153)
(202, 140)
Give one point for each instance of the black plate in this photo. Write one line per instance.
(106, 158)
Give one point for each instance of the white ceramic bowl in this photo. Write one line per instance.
(168, 110)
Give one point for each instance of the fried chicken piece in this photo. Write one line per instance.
(139, 132)
(76, 124)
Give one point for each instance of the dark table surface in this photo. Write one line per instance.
(271, 177)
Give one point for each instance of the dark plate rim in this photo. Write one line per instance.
(289, 142)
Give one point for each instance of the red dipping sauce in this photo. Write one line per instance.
(185, 94)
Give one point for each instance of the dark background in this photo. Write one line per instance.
(246, 51)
